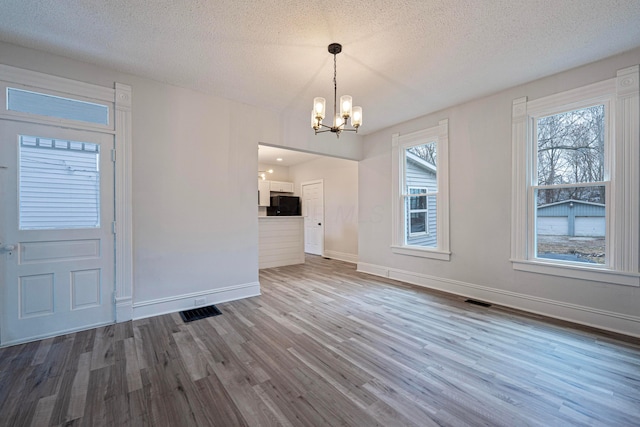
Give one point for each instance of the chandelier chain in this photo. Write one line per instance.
(335, 89)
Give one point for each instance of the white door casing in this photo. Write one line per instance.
(313, 213)
(54, 280)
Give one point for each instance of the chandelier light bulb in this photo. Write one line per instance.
(319, 104)
(356, 118)
(345, 106)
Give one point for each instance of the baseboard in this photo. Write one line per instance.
(176, 303)
(342, 256)
(124, 309)
(601, 319)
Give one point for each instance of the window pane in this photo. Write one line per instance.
(571, 147)
(59, 184)
(571, 224)
(421, 225)
(55, 106)
(425, 153)
(418, 222)
(418, 202)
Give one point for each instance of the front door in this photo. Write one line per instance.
(56, 239)
(313, 212)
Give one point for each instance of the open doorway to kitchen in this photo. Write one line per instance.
(335, 203)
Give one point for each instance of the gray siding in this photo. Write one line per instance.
(58, 189)
(420, 177)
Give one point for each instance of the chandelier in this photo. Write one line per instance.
(346, 109)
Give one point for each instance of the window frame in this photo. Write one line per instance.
(440, 136)
(621, 97)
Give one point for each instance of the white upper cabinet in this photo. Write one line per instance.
(282, 187)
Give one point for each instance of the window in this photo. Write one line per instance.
(575, 166)
(420, 211)
(571, 181)
(59, 184)
(25, 101)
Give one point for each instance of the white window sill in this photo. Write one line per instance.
(421, 252)
(597, 274)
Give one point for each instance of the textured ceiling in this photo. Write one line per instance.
(401, 58)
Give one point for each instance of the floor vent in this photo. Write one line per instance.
(480, 303)
(199, 313)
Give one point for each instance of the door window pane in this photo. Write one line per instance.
(59, 184)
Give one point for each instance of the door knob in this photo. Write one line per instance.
(8, 248)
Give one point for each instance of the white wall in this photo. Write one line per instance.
(340, 179)
(195, 229)
(480, 203)
(280, 173)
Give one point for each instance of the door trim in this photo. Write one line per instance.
(123, 297)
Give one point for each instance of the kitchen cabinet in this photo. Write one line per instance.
(281, 187)
(264, 193)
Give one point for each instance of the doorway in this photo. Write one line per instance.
(313, 213)
(56, 219)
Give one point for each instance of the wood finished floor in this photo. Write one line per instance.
(325, 345)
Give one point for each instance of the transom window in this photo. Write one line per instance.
(25, 101)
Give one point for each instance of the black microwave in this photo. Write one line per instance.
(284, 206)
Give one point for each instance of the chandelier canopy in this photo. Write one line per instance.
(347, 110)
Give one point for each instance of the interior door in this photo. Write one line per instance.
(313, 212)
(56, 239)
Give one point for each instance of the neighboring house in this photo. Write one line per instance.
(421, 221)
(571, 218)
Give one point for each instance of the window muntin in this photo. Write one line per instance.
(59, 184)
(571, 175)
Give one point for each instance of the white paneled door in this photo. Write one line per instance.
(56, 238)
(313, 212)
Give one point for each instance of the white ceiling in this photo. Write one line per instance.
(269, 156)
(401, 58)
